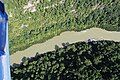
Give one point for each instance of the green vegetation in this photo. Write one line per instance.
(55, 16)
(96, 60)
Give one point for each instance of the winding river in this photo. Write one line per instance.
(68, 36)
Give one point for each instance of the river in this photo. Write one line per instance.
(67, 36)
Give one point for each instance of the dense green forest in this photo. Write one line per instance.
(51, 17)
(96, 60)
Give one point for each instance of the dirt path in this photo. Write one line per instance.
(68, 36)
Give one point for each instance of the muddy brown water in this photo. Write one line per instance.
(68, 36)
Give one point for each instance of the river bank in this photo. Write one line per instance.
(67, 36)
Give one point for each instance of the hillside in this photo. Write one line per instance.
(96, 60)
(36, 21)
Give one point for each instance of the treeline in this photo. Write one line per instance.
(55, 16)
(96, 60)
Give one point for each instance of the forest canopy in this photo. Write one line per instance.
(44, 19)
(96, 60)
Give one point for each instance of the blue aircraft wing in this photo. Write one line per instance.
(4, 46)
